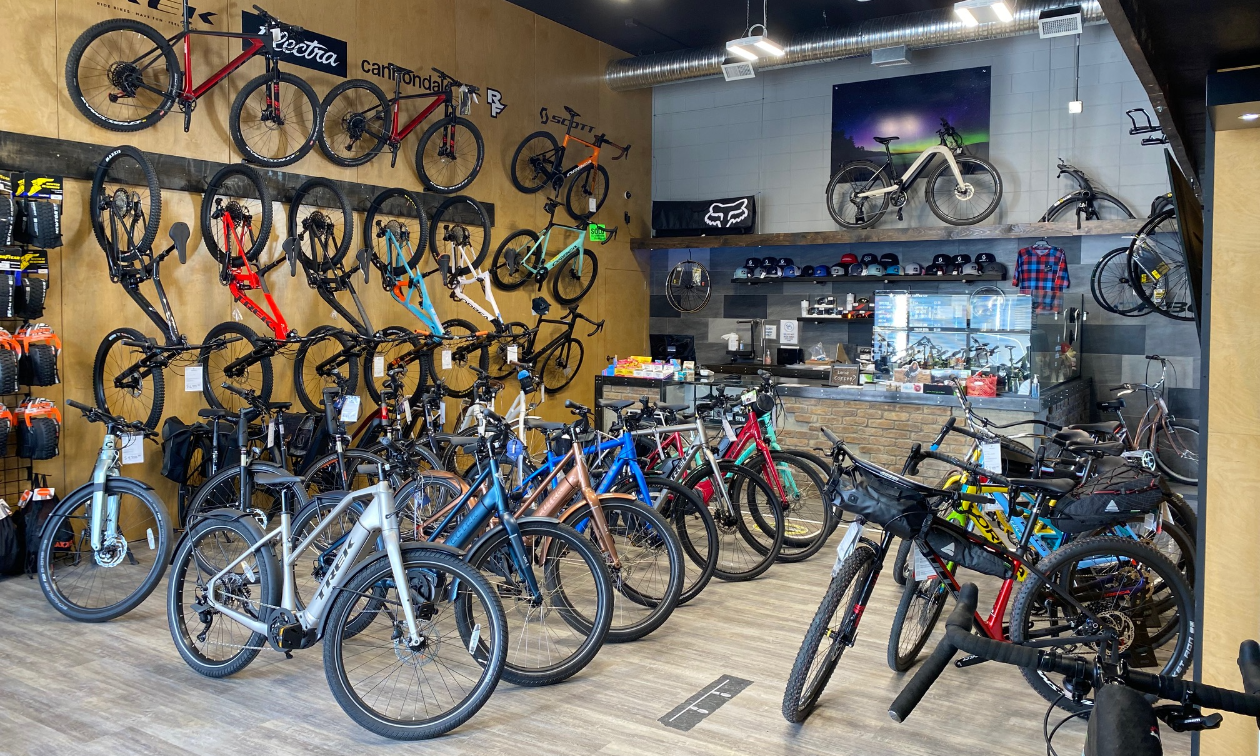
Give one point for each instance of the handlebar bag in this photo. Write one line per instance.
(884, 500)
(1120, 495)
(960, 551)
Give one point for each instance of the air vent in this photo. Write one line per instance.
(890, 56)
(1060, 22)
(737, 71)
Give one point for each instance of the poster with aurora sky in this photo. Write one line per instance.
(910, 107)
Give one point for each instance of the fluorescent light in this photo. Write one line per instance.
(1076, 106)
(755, 47)
(1002, 12)
(965, 16)
(1249, 116)
(770, 47)
(741, 52)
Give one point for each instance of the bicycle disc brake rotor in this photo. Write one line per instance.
(1119, 623)
(964, 192)
(112, 551)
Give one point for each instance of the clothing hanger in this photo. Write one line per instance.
(1042, 244)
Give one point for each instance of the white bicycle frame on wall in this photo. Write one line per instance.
(912, 172)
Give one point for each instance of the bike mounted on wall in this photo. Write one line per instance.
(539, 162)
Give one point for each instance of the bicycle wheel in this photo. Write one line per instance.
(515, 261)
(1158, 268)
(1130, 587)
(1102, 207)
(354, 123)
(574, 277)
(1175, 445)
(122, 75)
(970, 203)
(693, 525)
(324, 360)
(649, 580)
(533, 161)
(561, 365)
(126, 204)
(121, 386)
(688, 288)
(449, 155)
(461, 229)
(836, 618)
(396, 230)
(233, 364)
(556, 635)
(236, 214)
(743, 552)
(328, 474)
(403, 353)
(513, 334)
(90, 584)
(275, 120)
(321, 221)
(1112, 288)
(587, 192)
(902, 562)
(212, 643)
(460, 377)
(808, 516)
(922, 602)
(223, 491)
(449, 675)
(849, 210)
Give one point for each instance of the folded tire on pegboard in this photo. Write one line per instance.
(29, 297)
(6, 427)
(39, 429)
(8, 371)
(40, 349)
(7, 287)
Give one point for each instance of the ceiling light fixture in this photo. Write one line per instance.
(1249, 116)
(965, 16)
(1002, 12)
(976, 12)
(751, 46)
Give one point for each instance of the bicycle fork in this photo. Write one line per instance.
(105, 506)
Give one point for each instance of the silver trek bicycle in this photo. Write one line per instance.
(414, 638)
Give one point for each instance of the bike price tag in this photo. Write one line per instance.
(193, 378)
(847, 544)
(512, 353)
(442, 414)
(271, 433)
(749, 397)
(447, 362)
(133, 449)
(728, 430)
(592, 205)
(598, 231)
(378, 366)
(991, 457)
(406, 406)
(923, 569)
(350, 409)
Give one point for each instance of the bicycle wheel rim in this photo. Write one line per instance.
(208, 551)
(323, 365)
(644, 585)
(1157, 245)
(396, 230)
(822, 666)
(575, 277)
(223, 491)
(236, 193)
(279, 137)
(534, 159)
(521, 244)
(98, 582)
(132, 397)
(848, 210)
(460, 377)
(1176, 449)
(688, 287)
(562, 365)
(327, 473)
(95, 81)
(922, 613)
(805, 507)
(126, 203)
(1113, 288)
(743, 549)
(589, 184)
(450, 157)
(978, 198)
(353, 124)
(321, 222)
(249, 377)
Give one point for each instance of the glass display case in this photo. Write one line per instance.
(930, 338)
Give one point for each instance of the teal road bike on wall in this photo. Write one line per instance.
(523, 257)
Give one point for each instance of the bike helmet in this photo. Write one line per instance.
(888, 259)
(874, 269)
(941, 260)
(742, 273)
(985, 257)
(962, 259)
(807, 271)
(869, 259)
(848, 258)
(971, 269)
(912, 269)
(790, 271)
(856, 269)
(893, 270)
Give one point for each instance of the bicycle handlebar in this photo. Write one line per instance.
(94, 415)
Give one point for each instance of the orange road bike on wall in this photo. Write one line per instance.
(539, 162)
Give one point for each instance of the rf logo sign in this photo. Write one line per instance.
(494, 98)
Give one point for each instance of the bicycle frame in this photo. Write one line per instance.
(457, 284)
(396, 135)
(539, 249)
(912, 173)
(404, 289)
(243, 278)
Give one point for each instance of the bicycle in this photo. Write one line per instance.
(1124, 720)
(1159, 270)
(358, 122)
(233, 590)
(861, 191)
(128, 370)
(1112, 288)
(561, 358)
(105, 547)
(1089, 203)
(522, 257)
(123, 75)
(1174, 443)
(539, 162)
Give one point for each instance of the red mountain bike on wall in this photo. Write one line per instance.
(125, 76)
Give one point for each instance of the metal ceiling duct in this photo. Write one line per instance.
(914, 30)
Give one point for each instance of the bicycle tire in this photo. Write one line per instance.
(154, 113)
(559, 369)
(248, 208)
(967, 165)
(1163, 249)
(151, 413)
(320, 224)
(932, 595)
(1100, 198)
(799, 547)
(538, 160)
(258, 586)
(901, 560)
(514, 333)
(1177, 458)
(395, 353)
(693, 524)
(590, 183)
(213, 362)
(489, 555)
(355, 124)
(470, 224)
(732, 536)
(490, 639)
(501, 273)
(154, 531)
(324, 474)
(1114, 266)
(115, 161)
(222, 491)
(1031, 603)
(864, 174)
(427, 173)
(310, 388)
(459, 379)
(42, 359)
(688, 287)
(398, 204)
(803, 690)
(567, 281)
(292, 144)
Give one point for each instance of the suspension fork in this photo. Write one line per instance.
(104, 506)
(848, 631)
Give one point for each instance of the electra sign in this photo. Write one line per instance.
(312, 50)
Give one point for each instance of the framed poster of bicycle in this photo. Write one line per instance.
(910, 108)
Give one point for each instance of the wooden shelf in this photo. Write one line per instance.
(925, 233)
(832, 319)
(858, 280)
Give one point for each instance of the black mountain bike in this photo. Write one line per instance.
(126, 209)
(559, 360)
(1089, 203)
(539, 162)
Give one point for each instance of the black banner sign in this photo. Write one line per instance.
(736, 215)
(315, 51)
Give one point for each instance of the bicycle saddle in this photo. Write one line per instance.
(1105, 429)
(1049, 485)
(1068, 437)
(444, 438)
(572, 113)
(543, 425)
(885, 140)
(212, 413)
(465, 442)
(281, 406)
(401, 69)
(616, 405)
(1111, 406)
(674, 407)
(1104, 449)
(276, 479)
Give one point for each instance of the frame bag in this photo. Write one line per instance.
(1123, 494)
(965, 553)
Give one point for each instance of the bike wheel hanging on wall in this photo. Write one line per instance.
(688, 287)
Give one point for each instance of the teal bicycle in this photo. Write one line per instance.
(523, 257)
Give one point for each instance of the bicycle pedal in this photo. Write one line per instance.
(970, 660)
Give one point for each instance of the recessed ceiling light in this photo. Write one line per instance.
(1002, 12)
(1249, 116)
(965, 16)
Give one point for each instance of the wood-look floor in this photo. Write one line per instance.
(121, 688)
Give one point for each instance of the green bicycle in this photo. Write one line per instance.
(523, 257)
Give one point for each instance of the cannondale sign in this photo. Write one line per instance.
(317, 52)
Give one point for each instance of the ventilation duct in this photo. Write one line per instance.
(914, 30)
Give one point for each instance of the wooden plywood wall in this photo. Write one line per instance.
(534, 62)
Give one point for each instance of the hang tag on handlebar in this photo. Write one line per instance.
(277, 36)
(447, 362)
(748, 397)
(598, 231)
(728, 430)
(193, 378)
(923, 569)
(846, 546)
(271, 433)
(991, 457)
(378, 366)
(512, 352)
(350, 409)
(133, 448)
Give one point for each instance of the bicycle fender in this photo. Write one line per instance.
(480, 544)
(119, 483)
(569, 513)
(219, 515)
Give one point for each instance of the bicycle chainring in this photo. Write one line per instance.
(898, 198)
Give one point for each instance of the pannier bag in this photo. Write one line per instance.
(40, 349)
(28, 298)
(1121, 495)
(12, 541)
(39, 429)
(973, 556)
(177, 446)
(39, 501)
(10, 355)
(897, 504)
(41, 224)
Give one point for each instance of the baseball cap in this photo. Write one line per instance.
(893, 270)
(790, 271)
(956, 269)
(874, 269)
(962, 259)
(941, 260)
(869, 259)
(742, 273)
(934, 270)
(994, 269)
(888, 258)
(839, 270)
(912, 269)
(785, 261)
(848, 258)
(855, 269)
(808, 270)
(772, 271)
(752, 262)
(971, 269)
(985, 257)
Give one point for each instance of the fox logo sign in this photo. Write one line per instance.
(727, 215)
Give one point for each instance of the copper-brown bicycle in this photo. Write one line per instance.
(539, 162)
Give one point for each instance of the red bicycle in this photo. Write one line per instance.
(125, 76)
(357, 123)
